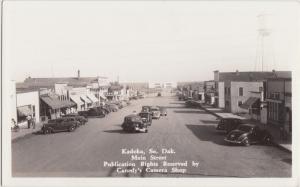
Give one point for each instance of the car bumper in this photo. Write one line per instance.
(134, 129)
(233, 141)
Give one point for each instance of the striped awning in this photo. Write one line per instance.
(103, 97)
(92, 98)
(85, 99)
(249, 102)
(24, 110)
(55, 103)
(77, 100)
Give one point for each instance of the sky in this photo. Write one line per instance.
(146, 41)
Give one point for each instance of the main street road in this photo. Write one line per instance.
(189, 132)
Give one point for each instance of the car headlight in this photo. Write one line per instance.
(241, 137)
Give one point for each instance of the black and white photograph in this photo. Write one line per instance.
(149, 91)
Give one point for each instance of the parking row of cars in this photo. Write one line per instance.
(72, 121)
(239, 132)
(140, 122)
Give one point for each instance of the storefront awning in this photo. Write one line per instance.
(55, 103)
(77, 100)
(24, 111)
(93, 98)
(249, 102)
(67, 103)
(85, 99)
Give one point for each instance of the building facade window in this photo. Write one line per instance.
(273, 111)
(241, 91)
(274, 95)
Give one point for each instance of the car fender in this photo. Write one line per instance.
(243, 137)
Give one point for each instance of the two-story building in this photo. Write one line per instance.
(279, 101)
(243, 92)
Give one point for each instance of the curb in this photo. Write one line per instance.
(209, 111)
(281, 147)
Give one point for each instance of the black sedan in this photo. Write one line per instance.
(79, 118)
(134, 123)
(247, 134)
(92, 112)
(59, 125)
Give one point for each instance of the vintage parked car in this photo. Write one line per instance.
(248, 134)
(79, 118)
(191, 103)
(134, 98)
(76, 120)
(118, 104)
(146, 108)
(59, 125)
(92, 112)
(163, 111)
(155, 112)
(106, 109)
(228, 124)
(134, 123)
(146, 117)
(141, 96)
(113, 107)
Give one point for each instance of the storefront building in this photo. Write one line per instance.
(52, 107)
(279, 102)
(27, 104)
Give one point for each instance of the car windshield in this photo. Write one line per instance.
(144, 115)
(131, 119)
(245, 128)
(154, 109)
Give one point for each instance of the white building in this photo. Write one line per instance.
(162, 85)
(27, 104)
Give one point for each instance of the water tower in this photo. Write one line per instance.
(264, 31)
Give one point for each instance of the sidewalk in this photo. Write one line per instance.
(284, 144)
(24, 132)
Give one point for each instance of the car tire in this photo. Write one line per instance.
(146, 131)
(268, 140)
(71, 129)
(47, 131)
(246, 142)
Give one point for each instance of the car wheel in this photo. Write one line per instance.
(72, 128)
(246, 142)
(268, 140)
(47, 131)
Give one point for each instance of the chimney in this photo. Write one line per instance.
(237, 72)
(216, 75)
(78, 74)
